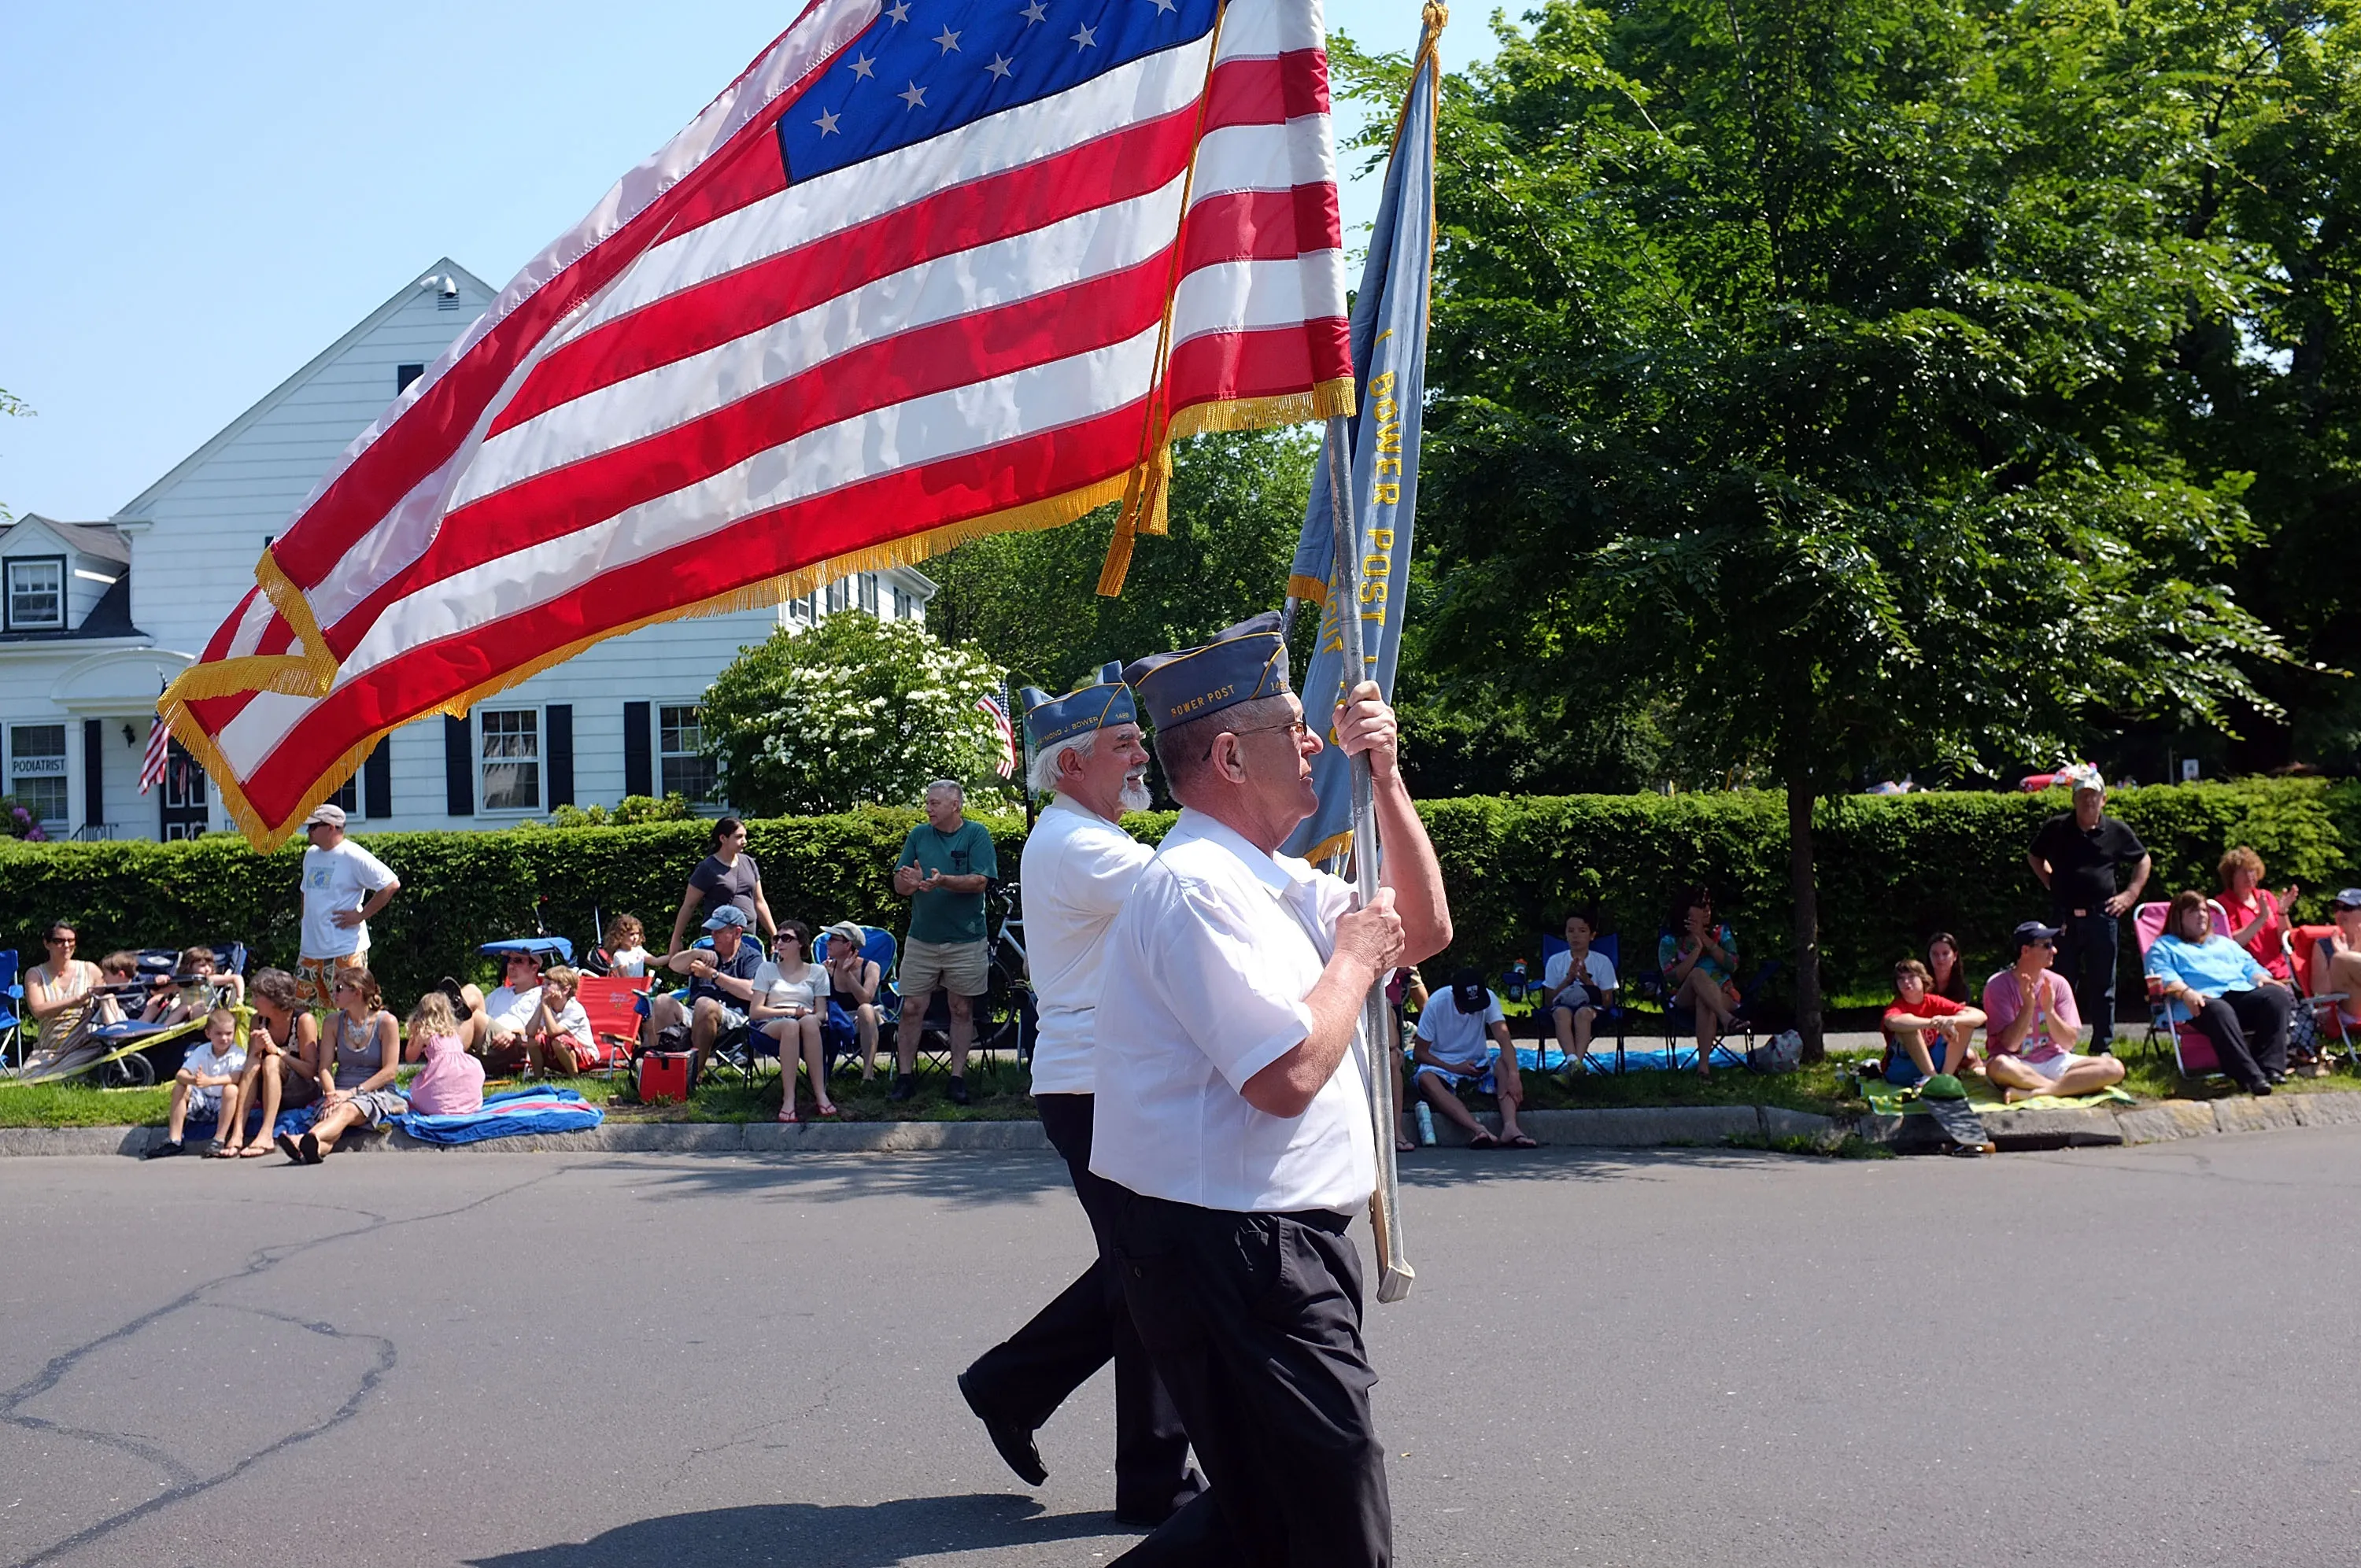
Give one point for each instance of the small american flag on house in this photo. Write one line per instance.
(926, 271)
(159, 746)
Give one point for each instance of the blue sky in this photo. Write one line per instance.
(201, 198)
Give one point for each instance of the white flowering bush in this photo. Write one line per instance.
(850, 712)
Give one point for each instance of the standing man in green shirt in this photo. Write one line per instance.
(946, 862)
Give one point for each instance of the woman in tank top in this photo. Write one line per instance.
(366, 1047)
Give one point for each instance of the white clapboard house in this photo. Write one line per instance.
(97, 616)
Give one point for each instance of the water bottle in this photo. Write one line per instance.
(1425, 1115)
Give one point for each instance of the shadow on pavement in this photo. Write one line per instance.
(1564, 1162)
(997, 1176)
(841, 1535)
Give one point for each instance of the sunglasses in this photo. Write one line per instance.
(60, 941)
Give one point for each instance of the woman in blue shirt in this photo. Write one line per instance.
(2206, 979)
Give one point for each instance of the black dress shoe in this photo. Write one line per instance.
(2262, 1087)
(1015, 1443)
(1148, 1516)
(905, 1085)
(958, 1092)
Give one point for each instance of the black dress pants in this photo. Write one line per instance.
(1255, 1322)
(2088, 947)
(2249, 1031)
(1029, 1375)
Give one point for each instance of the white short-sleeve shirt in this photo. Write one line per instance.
(808, 988)
(510, 1009)
(1205, 973)
(1595, 969)
(338, 879)
(1078, 867)
(1455, 1036)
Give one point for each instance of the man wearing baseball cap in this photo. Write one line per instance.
(343, 885)
(2031, 1026)
(2077, 855)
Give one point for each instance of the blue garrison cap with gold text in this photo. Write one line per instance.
(1246, 662)
(1101, 706)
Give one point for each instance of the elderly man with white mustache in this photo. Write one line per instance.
(1079, 866)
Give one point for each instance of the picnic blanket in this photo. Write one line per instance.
(1886, 1099)
(507, 1115)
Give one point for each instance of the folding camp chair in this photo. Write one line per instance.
(2192, 1048)
(2330, 1029)
(1680, 1019)
(838, 1034)
(12, 1002)
(1610, 948)
(613, 1005)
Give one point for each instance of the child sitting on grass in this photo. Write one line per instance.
(557, 1038)
(206, 1083)
(452, 1081)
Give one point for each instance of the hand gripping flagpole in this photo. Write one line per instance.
(1395, 1275)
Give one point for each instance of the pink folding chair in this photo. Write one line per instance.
(2192, 1048)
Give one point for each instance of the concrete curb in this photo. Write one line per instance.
(1635, 1127)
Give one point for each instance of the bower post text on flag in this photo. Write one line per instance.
(1389, 333)
(924, 272)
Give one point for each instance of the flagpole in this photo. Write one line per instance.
(1395, 1275)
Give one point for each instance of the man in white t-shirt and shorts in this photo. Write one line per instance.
(1577, 986)
(1451, 1050)
(343, 884)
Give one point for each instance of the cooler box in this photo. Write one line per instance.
(664, 1075)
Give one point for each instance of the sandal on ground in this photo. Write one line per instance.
(308, 1149)
(828, 1112)
(286, 1144)
(787, 1117)
(254, 1150)
(1483, 1141)
(1404, 1145)
(1520, 1141)
(222, 1151)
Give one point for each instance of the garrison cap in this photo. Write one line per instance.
(1246, 662)
(1101, 705)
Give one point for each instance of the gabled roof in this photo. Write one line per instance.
(102, 540)
(138, 505)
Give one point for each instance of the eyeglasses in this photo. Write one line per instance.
(1296, 731)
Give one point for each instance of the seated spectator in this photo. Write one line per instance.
(852, 980)
(790, 998)
(120, 967)
(2032, 1026)
(166, 1002)
(508, 1013)
(203, 964)
(2259, 921)
(1451, 1051)
(625, 946)
(721, 988)
(206, 1084)
(1577, 986)
(1926, 1034)
(452, 1081)
(284, 1064)
(1947, 977)
(2209, 981)
(1700, 960)
(366, 1044)
(2336, 961)
(1406, 993)
(557, 1036)
(58, 988)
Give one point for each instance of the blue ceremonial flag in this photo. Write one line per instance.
(1389, 338)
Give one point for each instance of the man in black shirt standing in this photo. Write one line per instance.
(2076, 855)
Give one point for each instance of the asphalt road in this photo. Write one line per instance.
(1686, 1358)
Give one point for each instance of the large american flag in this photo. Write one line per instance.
(920, 273)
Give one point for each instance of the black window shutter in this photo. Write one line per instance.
(93, 772)
(459, 765)
(638, 762)
(376, 780)
(557, 719)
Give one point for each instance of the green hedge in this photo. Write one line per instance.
(1891, 871)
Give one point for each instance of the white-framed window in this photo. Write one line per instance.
(512, 759)
(837, 592)
(901, 605)
(348, 798)
(869, 592)
(37, 773)
(685, 769)
(37, 593)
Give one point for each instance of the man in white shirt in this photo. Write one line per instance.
(1462, 1042)
(1079, 865)
(1234, 1106)
(343, 885)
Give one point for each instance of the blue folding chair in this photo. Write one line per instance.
(1609, 947)
(838, 1034)
(12, 997)
(734, 1046)
(1680, 1021)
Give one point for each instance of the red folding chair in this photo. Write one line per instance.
(612, 1001)
(2330, 1027)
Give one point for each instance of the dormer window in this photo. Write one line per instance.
(37, 593)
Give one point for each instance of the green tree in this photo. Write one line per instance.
(1792, 387)
(1031, 600)
(854, 712)
(12, 406)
